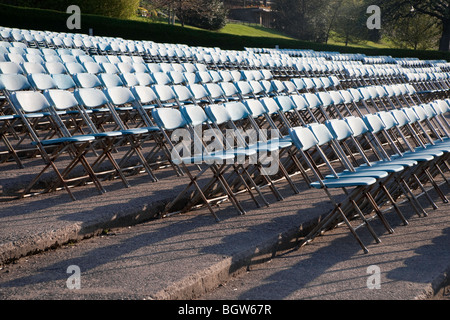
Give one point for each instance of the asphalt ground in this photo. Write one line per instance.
(122, 253)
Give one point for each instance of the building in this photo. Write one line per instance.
(250, 11)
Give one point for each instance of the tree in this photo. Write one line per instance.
(303, 19)
(350, 21)
(439, 9)
(206, 14)
(419, 32)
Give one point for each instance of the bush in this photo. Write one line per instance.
(111, 8)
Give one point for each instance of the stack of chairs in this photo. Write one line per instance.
(233, 122)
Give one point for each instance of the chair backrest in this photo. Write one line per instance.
(429, 110)
(346, 96)
(42, 81)
(420, 112)
(237, 110)
(55, 68)
(87, 80)
(10, 67)
(195, 115)
(214, 90)
(355, 94)
(229, 88)
(161, 78)
(365, 93)
(244, 87)
(64, 81)
(217, 113)
(299, 83)
(373, 123)
(14, 82)
(357, 125)
(309, 84)
(285, 103)
(93, 67)
(321, 132)
(270, 105)
(255, 107)
(183, 93)
(164, 92)
(144, 79)
(312, 99)
(90, 97)
(144, 94)
(401, 117)
(198, 91)
(299, 101)
(176, 77)
(110, 80)
(303, 138)
(32, 67)
(339, 128)
(30, 101)
(75, 67)
(119, 95)
(389, 90)
(129, 79)
(337, 97)
(225, 75)
(125, 67)
(109, 67)
(410, 114)
(61, 99)
(388, 119)
(325, 98)
(168, 118)
(278, 86)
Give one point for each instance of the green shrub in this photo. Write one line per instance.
(111, 8)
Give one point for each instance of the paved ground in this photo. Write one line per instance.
(127, 255)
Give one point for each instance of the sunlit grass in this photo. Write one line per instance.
(252, 31)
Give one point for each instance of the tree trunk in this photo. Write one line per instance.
(444, 44)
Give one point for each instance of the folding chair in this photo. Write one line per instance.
(389, 132)
(197, 119)
(34, 102)
(63, 101)
(361, 186)
(169, 120)
(103, 112)
(222, 120)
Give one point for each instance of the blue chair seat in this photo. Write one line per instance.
(345, 182)
(378, 174)
(442, 146)
(419, 156)
(9, 117)
(272, 145)
(107, 134)
(140, 130)
(204, 158)
(65, 140)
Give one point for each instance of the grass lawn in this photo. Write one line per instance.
(252, 31)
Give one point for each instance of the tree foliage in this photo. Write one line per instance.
(302, 19)
(205, 14)
(208, 14)
(394, 10)
(111, 8)
(350, 22)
